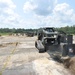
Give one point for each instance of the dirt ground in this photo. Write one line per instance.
(18, 56)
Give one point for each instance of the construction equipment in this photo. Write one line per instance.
(56, 43)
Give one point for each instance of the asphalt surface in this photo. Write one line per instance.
(18, 56)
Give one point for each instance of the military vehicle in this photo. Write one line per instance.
(30, 34)
(58, 43)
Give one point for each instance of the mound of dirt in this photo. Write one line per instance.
(72, 65)
(45, 66)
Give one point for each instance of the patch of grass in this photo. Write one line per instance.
(4, 34)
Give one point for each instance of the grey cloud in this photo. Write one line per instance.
(44, 7)
(42, 12)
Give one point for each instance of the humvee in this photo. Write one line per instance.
(30, 34)
(56, 42)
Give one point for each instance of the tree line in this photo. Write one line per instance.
(67, 29)
(7, 30)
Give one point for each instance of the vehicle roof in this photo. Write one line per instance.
(41, 29)
(48, 27)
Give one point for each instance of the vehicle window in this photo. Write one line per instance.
(49, 30)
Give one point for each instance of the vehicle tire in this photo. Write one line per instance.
(35, 44)
(42, 51)
(40, 46)
(58, 40)
(65, 50)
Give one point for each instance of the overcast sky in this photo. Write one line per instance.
(36, 13)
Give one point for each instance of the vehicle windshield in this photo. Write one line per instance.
(49, 29)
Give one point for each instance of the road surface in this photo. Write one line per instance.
(18, 56)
